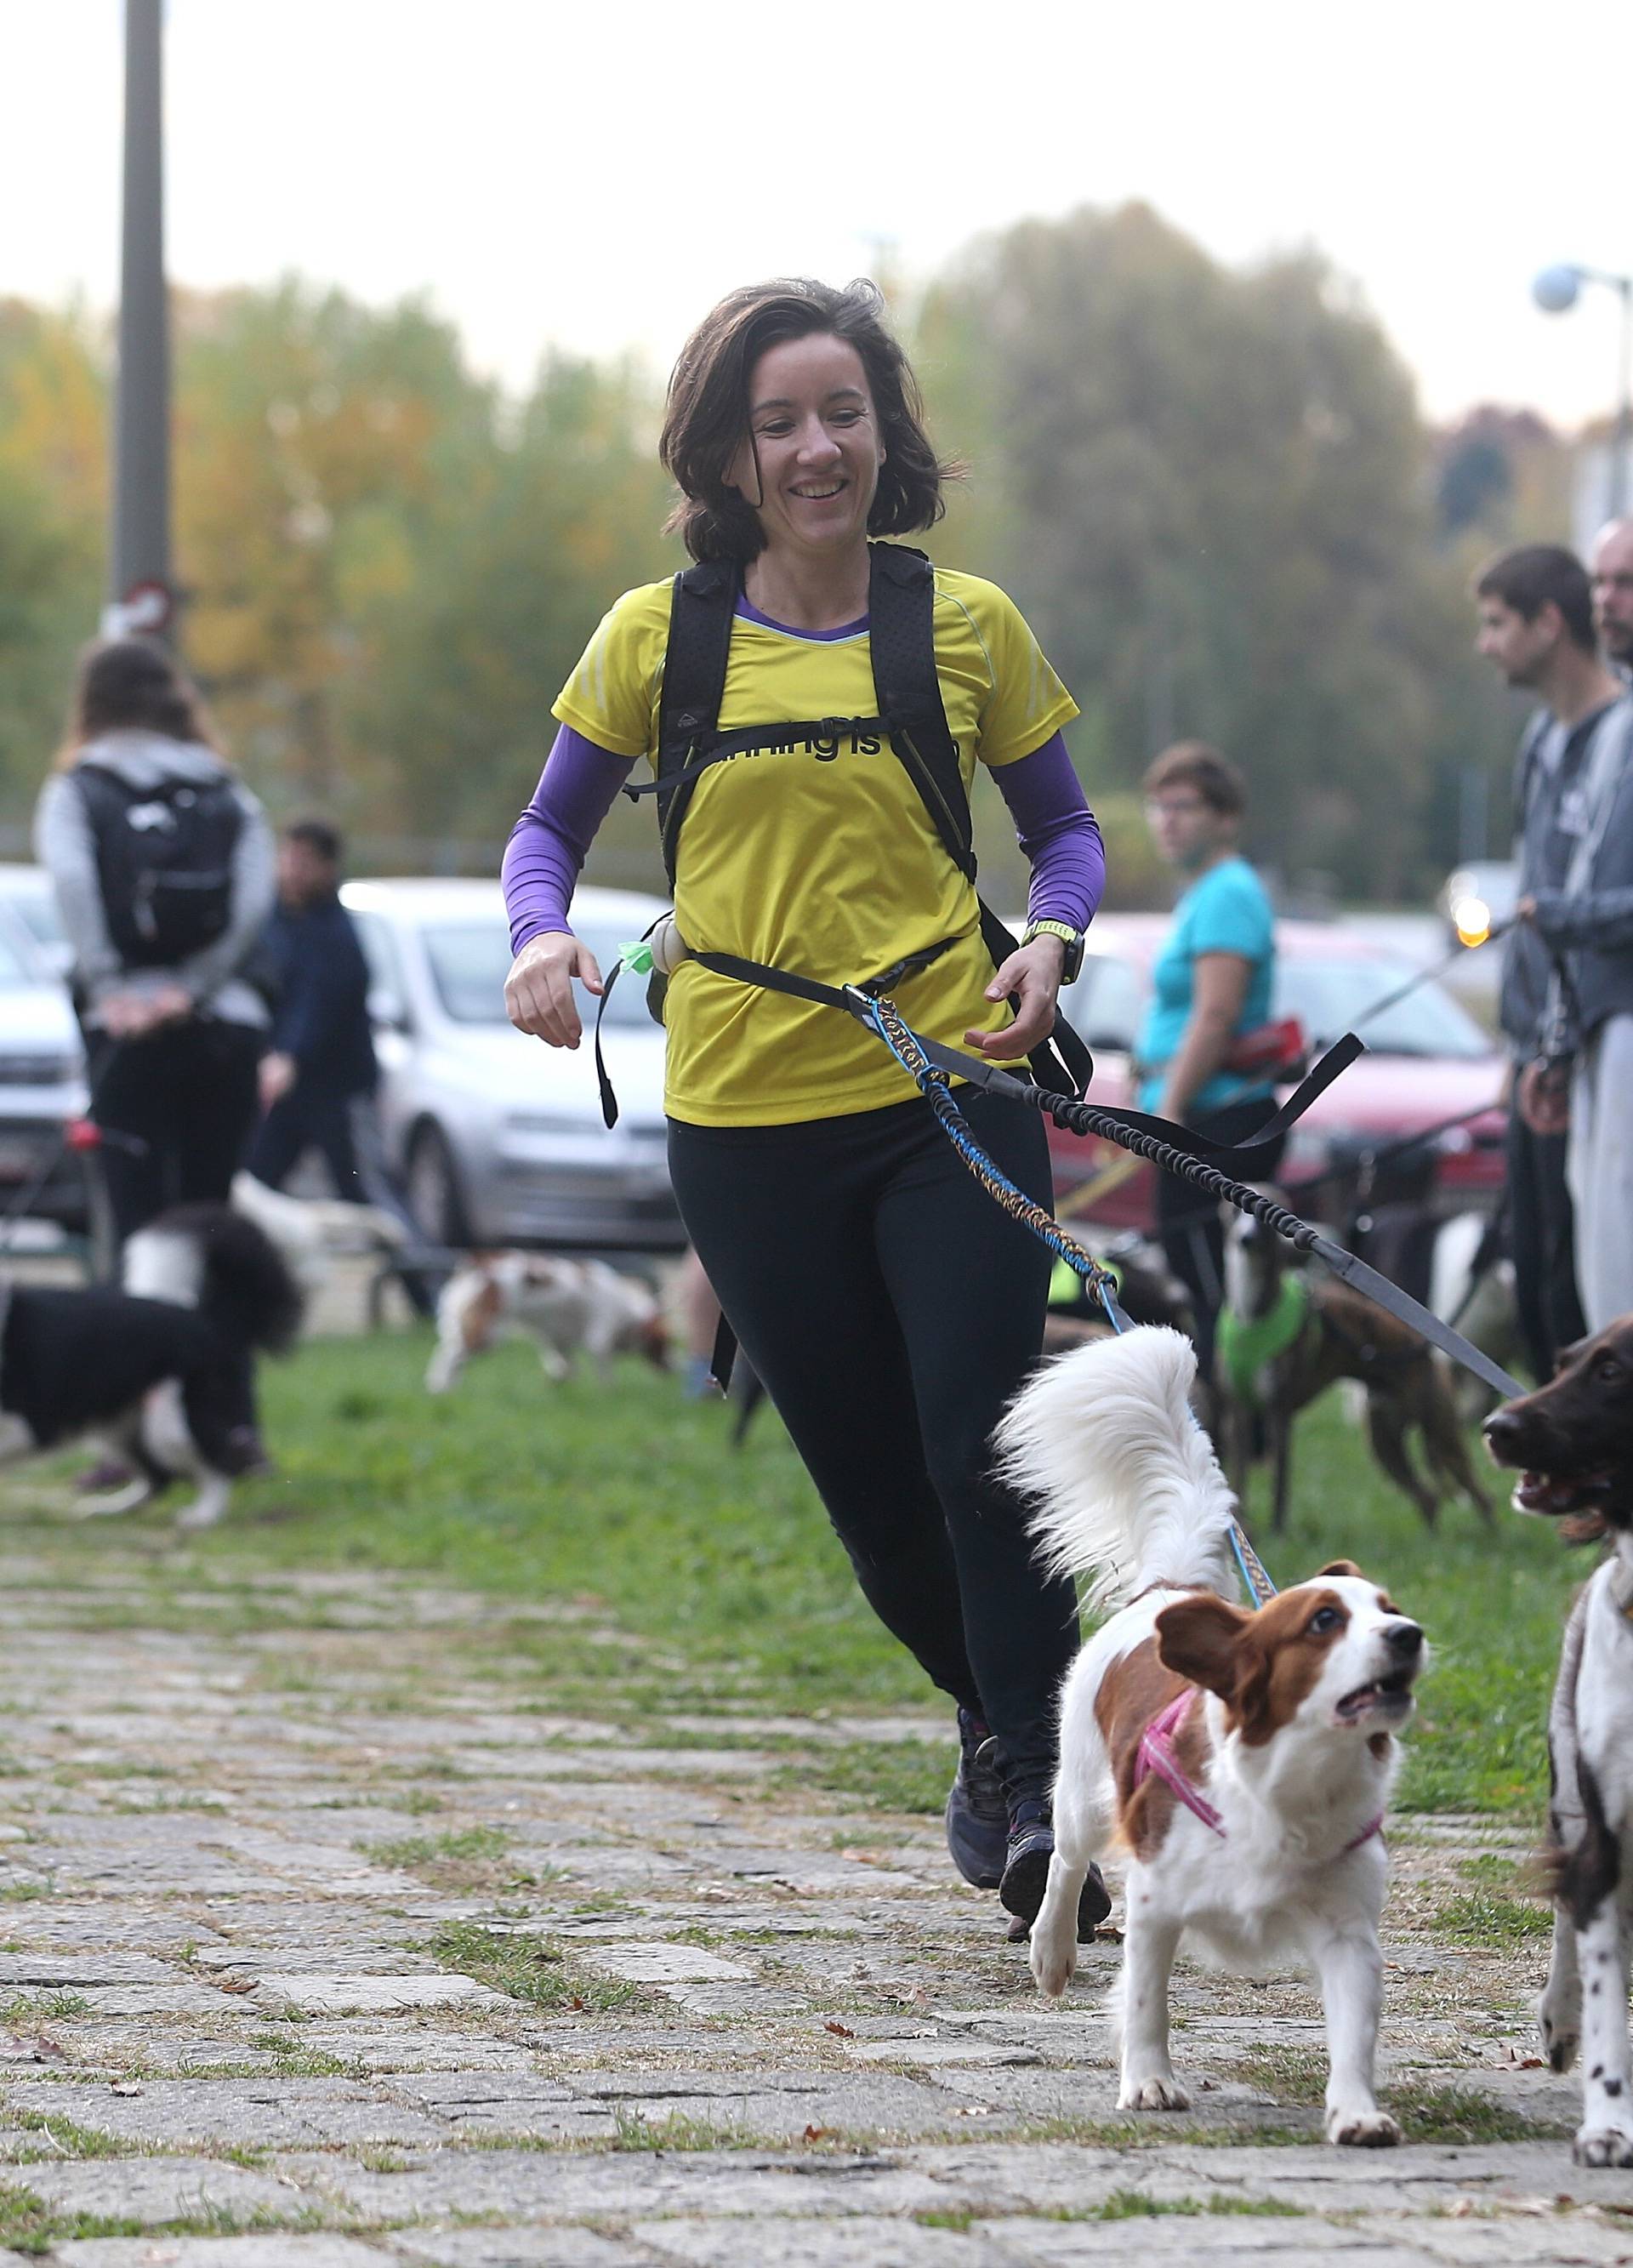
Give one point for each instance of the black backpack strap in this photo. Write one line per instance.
(901, 599)
(701, 610)
(901, 637)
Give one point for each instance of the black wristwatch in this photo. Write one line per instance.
(1071, 966)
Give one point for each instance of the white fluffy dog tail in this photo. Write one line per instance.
(1127, 1488)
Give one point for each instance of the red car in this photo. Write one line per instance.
(1427, 1062)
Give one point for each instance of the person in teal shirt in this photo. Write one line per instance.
(1210, 983)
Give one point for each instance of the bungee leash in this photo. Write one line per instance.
(908, 1051)
(1191, 1157)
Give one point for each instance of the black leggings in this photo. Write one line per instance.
(1540, 1234)
(892, 1308)
(184, 1098)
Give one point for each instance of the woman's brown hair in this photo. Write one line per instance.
(706, 416)
(1194, 764)
(132, 685)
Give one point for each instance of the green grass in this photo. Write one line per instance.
(699, 1575)
(531, 1969)
(886, 1775)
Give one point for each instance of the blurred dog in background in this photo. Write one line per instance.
(568, 1309)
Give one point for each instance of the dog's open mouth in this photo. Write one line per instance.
(1386, 1696)
(1553, 1495)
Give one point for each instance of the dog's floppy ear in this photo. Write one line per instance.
(1336, 1567)
(1198, 1639)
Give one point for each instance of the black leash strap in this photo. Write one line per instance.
(1177, 1151)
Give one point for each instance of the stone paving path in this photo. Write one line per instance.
(331, 1935)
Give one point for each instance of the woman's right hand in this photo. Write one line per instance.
(538, 990)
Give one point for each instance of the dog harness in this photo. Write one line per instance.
(1156, 1758)
(1245, 1347)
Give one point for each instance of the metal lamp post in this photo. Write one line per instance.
(139, 565)
(1559, 288)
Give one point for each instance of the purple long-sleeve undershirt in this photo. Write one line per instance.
(549, 843)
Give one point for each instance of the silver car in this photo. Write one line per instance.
(42, 1082)
(500, 1139)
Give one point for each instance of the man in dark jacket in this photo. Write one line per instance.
(318, 1081)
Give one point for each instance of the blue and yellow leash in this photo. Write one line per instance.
(903, 1043)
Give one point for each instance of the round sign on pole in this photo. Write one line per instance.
(146, 610)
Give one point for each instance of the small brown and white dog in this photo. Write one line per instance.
(568, 1307)
(1240, 1762)
(1573, 1442)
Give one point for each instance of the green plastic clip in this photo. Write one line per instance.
(637, 957)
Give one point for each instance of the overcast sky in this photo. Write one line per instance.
(592, 175)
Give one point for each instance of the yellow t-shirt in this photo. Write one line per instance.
(826, 863)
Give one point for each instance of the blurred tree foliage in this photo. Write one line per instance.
(52, 481)
(1210, 490)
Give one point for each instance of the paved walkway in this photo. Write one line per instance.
(331, 1935)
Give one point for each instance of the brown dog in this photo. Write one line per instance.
(1333, 1333)
(1572, 1440)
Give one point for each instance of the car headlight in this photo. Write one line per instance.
(1471, 918)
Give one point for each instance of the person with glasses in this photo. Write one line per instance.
(1211, 984)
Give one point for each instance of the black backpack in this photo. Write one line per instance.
(164, 860)
(901, 594)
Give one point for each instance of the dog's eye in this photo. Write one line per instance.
(1325, 1618)
(1609, 1369)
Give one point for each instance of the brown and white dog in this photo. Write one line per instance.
(568, 1307)
(1573, 1442)
(1240, 1762)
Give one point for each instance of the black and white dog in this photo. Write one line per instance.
(1572, 1442)
(163, 1371)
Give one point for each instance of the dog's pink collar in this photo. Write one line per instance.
(1156, 1756)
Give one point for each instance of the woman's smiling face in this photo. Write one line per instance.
(810, 466)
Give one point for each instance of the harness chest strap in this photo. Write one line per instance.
(1156, 1758)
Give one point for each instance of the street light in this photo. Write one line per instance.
(1559, 288)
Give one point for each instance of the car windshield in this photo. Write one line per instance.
(470, 960)
(1331, 997)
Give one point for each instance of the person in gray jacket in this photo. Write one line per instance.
(1585, 921)
(164, 874)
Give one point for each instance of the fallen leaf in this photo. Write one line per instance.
(125, 2087)
(237, 1985)
(814, 2133)
(577, 2003)
(842, 2032)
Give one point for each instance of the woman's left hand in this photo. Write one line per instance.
(1033, 975)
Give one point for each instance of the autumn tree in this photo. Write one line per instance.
(1211, 492)
(53, 480)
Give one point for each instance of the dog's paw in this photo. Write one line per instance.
(1052, 1967)
(1362, 2129)
(202, 1512)
(1603, 2145)
(1156, 2093)
(1558, 2029)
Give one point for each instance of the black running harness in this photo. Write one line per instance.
(902, 597)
